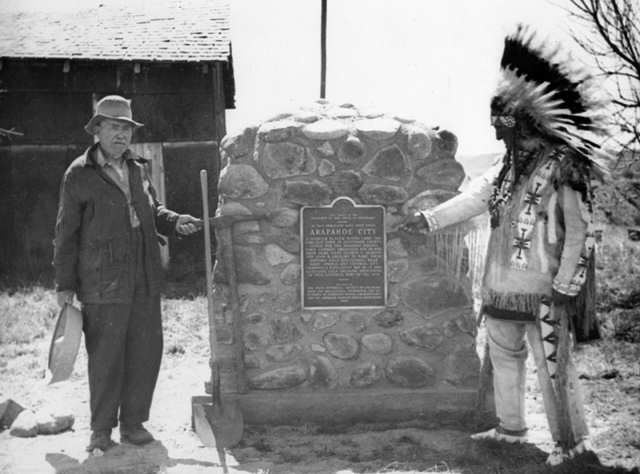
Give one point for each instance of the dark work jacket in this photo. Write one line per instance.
(92, 245)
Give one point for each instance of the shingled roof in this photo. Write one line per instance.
(159, 30)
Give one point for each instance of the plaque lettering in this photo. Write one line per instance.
(343, 255)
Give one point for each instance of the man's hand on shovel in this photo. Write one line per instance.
(187, 224)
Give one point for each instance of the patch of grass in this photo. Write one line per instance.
(336, 429)
(624, 324)
(189, 286)
(291, 456)
(618, 288)
(185, 326)
(175, 349)
(617, 273)
(262, 445)
(26, 314)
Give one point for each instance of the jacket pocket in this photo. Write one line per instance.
(113, 271)
(117, 250)
(111, 281)
(103, 267)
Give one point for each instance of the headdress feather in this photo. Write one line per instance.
(561, 100)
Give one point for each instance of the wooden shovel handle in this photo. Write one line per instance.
(225, 240)
(213, 361)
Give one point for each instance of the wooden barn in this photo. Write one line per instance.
(173, 59)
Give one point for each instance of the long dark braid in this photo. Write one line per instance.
(521, 161)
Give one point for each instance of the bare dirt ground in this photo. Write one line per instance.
(610, 372)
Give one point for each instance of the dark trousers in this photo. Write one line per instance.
(124, 347)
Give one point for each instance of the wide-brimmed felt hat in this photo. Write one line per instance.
(111, 107)
(65, 343)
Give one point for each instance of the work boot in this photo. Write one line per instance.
(135, 434)
(100, 439)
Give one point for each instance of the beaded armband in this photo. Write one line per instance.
(573, 287)
(431, 221)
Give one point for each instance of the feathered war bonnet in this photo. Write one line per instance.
(561, 101)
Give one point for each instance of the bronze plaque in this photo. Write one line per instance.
(344, 256)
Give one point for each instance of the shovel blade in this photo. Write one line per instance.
(203, 427)
(220, 425)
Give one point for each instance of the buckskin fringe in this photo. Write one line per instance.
(526, 303)
(477, 241)
(449, 246)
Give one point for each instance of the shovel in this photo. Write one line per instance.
(219, 424)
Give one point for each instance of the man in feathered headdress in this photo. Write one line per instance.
(539, 200)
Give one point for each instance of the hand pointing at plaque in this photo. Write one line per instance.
(414, 223)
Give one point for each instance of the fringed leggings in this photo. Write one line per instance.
(508, 352)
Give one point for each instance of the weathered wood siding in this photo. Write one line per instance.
(181, 104)
(176, 102)
(30, 178)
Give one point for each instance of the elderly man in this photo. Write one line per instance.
(540, 203)
(106, 252)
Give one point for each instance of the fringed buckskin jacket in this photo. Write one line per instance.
(541, 237)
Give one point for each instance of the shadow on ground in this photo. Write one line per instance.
(405, 450)
(124, 459)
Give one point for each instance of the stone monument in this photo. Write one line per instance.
(340, 316)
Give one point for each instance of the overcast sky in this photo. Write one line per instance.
(435, 61)
(432, 60)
